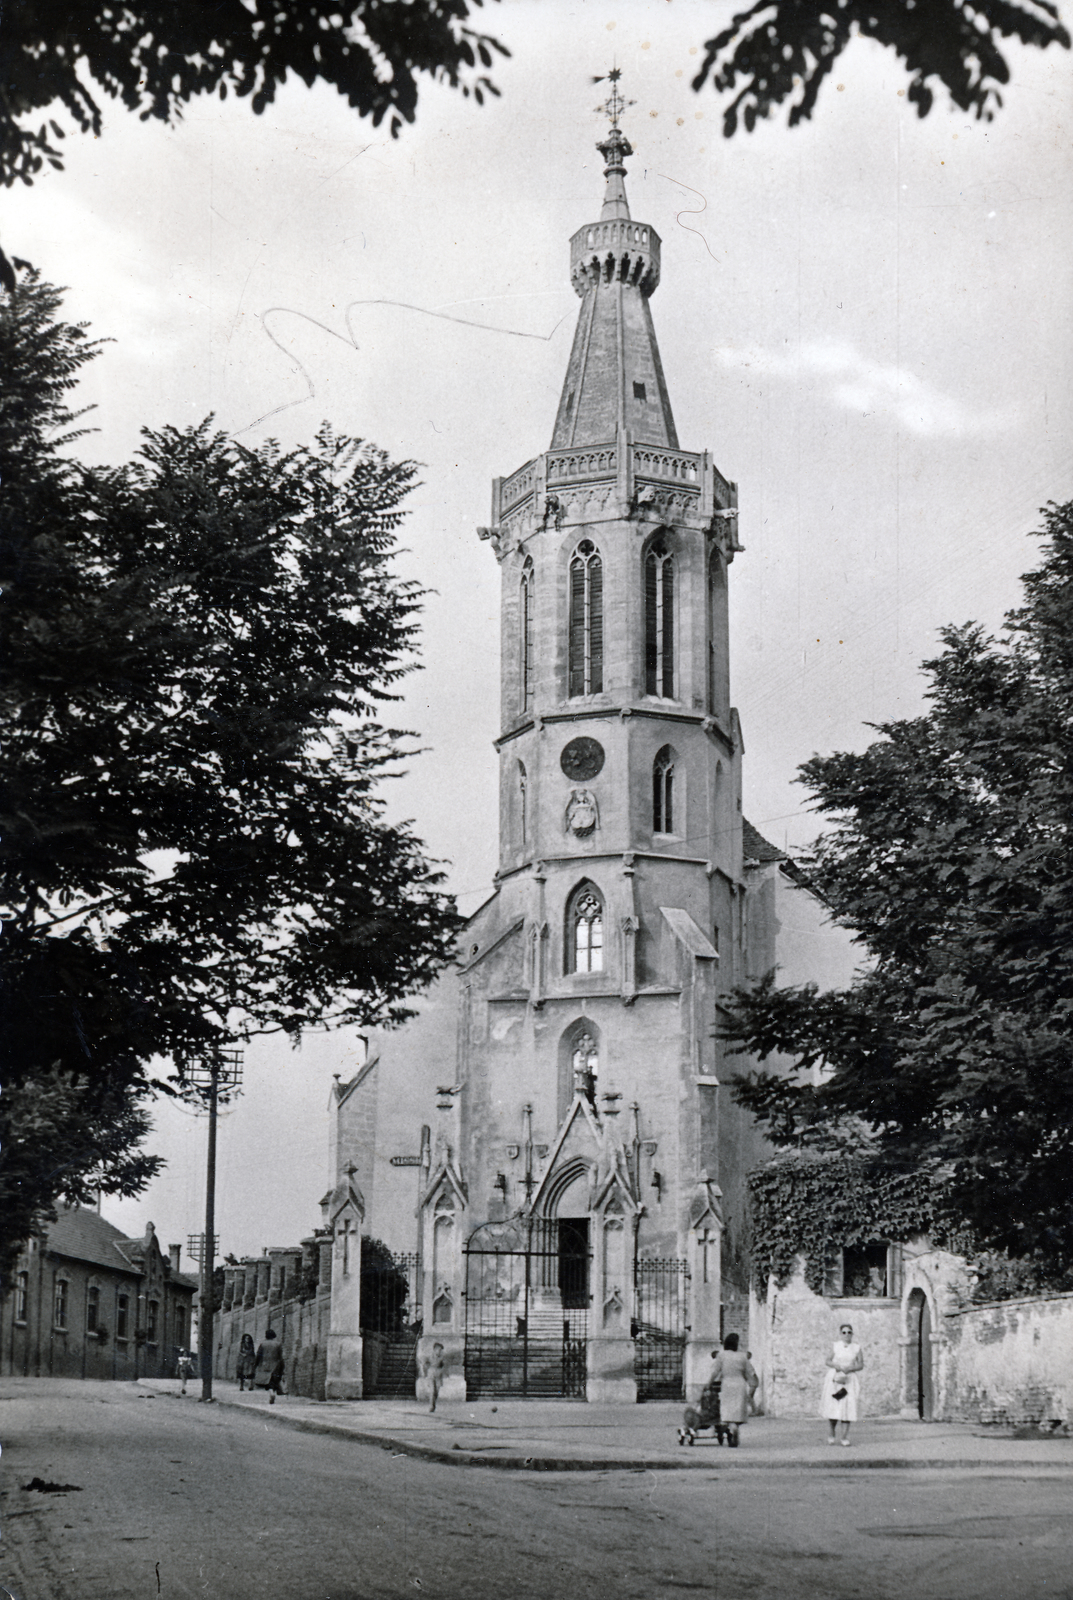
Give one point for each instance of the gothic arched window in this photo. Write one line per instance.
(585, 930)
(525, 620)
(663, 791)
(586, 630)
(659, 622)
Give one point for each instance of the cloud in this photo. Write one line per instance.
(853, 382)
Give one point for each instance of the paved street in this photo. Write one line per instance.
(178, 1499)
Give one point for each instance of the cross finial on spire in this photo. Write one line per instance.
(614, 149)
(613, 107)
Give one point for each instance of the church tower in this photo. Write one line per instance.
(581, 1211)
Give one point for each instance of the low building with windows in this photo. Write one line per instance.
(84, 1301)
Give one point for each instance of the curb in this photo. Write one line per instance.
(459, 1457)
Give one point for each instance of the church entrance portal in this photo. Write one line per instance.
(527, 1308)
(922, 1387)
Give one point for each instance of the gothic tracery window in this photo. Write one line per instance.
(659, 622)
(586, 626)
(585, 931)
(663, 791)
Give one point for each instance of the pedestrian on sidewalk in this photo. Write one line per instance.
(184, 1368)
(737, 1375)
(435, 1370)
(247, 1362)
(841, 1386)
(269, 1364)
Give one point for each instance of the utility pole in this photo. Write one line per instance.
(218, 1078)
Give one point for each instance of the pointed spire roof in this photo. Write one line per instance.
(614, 379)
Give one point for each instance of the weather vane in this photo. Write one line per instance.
(614, 105)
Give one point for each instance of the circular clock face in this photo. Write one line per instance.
(582, 759)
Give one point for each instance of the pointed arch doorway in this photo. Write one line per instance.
(921, 1373)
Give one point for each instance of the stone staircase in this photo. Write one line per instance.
(396, 1377)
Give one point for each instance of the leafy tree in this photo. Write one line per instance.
(784, 50)
(194, 647)
(951, 858)
(155, 55)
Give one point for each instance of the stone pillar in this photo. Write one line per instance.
(347, 1212)
(611, 1376)
(703, 1247)
(442, 1304)
(324, 1260)
(229, 1288)
(264, 1277)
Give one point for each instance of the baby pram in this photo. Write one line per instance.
(705, 1415)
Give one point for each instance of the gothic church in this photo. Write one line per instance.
(549, 1137)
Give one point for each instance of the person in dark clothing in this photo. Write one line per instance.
(247, 1362)
(269, 1364)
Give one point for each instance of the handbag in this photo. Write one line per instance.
(840, 1394)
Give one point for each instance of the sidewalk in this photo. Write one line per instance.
(569, 1436)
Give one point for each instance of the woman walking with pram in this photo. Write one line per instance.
(724, 1402)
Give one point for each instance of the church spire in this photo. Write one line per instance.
(614, 149)
(614, 379)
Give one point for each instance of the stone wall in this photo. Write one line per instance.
(791, 1334)
(303, 1328)
(1011, 1362)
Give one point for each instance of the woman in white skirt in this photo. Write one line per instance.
(841, 1385)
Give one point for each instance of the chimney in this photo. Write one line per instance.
(175, 1251)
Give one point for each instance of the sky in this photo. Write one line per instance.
(866, 319)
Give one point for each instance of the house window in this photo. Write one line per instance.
(663, 791)
(93, 1310)
(586, 632)
(22, 1296)
(152, 1321)
(859, 1272)
(122, 1311)
(585, 931)
(180, 1326)
(659, 623)
(61, 1303)
(525, 607)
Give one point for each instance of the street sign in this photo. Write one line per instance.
(406, 1161)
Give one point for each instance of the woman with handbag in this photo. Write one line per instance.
(841, 1385)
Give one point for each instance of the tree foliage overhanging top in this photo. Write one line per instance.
(155, 55)
(784, 49)
(195, 646)
(951, 858)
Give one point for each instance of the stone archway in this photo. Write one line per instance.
(919, 1390)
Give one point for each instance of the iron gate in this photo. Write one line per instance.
(390, 1321)
(527, 1308)
(660, 1326)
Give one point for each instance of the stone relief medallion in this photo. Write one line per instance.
(581, 813)
(582, 759)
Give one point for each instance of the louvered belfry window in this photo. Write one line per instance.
(659, 623)
(586, 642)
